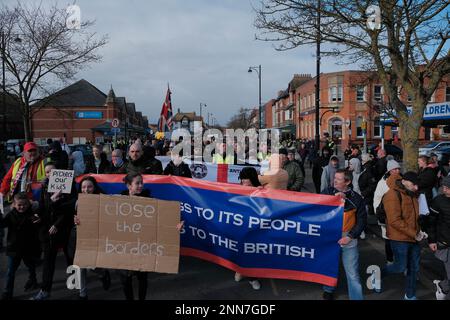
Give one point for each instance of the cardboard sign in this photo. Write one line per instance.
(60, 180)
(130, 233)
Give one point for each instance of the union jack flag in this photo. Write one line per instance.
(165, 119)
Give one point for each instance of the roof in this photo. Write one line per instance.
(190, 115)
(121, 103)
(79, 94)
(131, 108)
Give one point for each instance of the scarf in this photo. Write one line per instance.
(17, 178)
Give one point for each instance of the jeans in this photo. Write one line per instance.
(406, 257)
(50, 254)
(350, 260)
(13, 264)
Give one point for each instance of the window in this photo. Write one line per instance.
(378, 92)
(376, 127)
(447, 94)
(394, 132)
(336, 93)
(359, 131)
(360, 93)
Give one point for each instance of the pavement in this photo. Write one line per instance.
(201, 280)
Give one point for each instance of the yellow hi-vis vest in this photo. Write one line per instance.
(218, 159)
(40, 174)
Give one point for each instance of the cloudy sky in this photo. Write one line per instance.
(202, 48)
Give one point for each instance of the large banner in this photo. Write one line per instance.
(131, 233)
(254, 231)
(215, 172)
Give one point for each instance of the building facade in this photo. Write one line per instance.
(80, 113)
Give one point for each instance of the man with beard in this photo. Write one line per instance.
(142, 164)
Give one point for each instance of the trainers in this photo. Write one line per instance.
(41, 295)
(30, 285)
(440, 295)
(255, 284)
(106, 280)
(237, 277)
(362, 236)
(412, 298)
(327, 296)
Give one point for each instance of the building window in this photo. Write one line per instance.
(360, 93)
(394, 132)
(359, 131)
(336, 93)
(447, 94)
(376, 127)
(378, 92)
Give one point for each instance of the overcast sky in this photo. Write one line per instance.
(202, 48)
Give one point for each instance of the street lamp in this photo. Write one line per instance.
(202, 105)
(258, 71)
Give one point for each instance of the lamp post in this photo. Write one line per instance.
(202, 105)
(318, 121)
(258, 71)
(3, 84)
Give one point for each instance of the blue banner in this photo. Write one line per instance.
(254, 231)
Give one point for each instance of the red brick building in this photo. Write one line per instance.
(81, 113)
(348, 101)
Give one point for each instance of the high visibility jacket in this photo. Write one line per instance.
(35, 175)
(218, 159)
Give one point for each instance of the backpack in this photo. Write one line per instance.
(380, 213)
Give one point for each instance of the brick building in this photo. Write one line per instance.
(81, 113)
(348, 101)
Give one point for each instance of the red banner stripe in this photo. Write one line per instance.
(283, 195)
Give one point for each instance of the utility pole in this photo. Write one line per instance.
(317, 138)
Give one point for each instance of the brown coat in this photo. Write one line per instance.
(401, 219)
(275, 179)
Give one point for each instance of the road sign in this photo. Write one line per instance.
(115, 123)
(115, 130)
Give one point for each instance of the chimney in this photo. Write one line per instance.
(178, 110)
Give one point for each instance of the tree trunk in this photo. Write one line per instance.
(410, 128)
(26, 126)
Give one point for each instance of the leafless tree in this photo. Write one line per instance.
(241, 120)
(41, 52)
(407, 49)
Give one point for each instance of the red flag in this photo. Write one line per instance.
(165, 119)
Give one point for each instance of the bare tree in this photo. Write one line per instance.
(406, 47)
(41, 53)
(241, 120)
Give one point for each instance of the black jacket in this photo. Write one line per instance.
(59, 214)
(439, 220)
(367, 182)
(119, 170)
(104, 166)
(144, 165)
(427, 181)
(59, 156)
(145, 193)
(380, 168)
(353, 201)
(181, 170)
(22, 239)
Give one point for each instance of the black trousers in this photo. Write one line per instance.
(50, 253)
(126, 278)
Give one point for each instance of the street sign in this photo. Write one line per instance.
(115, 123)
(115, 130)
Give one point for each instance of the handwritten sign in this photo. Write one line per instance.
(60, 180)
(130, 233)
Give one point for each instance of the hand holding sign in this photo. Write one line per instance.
(60, 180)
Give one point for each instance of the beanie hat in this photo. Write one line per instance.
(392, 164)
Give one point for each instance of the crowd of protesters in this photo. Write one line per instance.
(411, 208)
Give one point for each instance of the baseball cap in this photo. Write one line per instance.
(30, 146)
(411, 176)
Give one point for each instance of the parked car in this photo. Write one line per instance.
(84, 148)
(391, 149)
(443, 154)
(432, 147)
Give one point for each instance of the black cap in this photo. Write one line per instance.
(411, 176)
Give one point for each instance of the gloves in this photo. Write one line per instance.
(421, 236)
